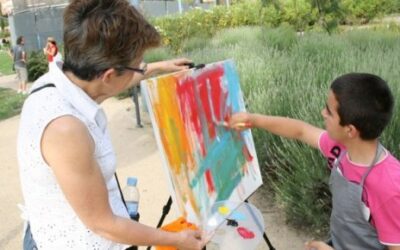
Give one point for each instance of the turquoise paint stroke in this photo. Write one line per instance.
(235, 99)
(225, 160)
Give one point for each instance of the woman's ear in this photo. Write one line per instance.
(108, 75)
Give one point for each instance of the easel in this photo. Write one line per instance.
(167, 208)
(135, 99)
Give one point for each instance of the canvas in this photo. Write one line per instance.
(212, 169)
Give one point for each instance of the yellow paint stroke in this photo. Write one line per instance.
(223, 210)
(174, 137)
(171, 125)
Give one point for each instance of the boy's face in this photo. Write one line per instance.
(332, 119)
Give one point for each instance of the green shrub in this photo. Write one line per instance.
(5, 63)
(10, 103)
(37, 65)
(282, 38)
(157, 54)
(195, 43)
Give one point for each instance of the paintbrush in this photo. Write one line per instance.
(240, 125)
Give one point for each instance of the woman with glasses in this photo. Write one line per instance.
(66, 159)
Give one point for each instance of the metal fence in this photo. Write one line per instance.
(25, 5)
(38, 19)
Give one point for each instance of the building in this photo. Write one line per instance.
(38, 19)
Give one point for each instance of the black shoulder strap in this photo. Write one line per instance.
(120, 190)
(42, 87)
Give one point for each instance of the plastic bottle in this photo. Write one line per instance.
(131, 196)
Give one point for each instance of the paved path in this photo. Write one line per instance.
(137, 155)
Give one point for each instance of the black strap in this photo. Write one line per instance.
(166, 209)
(42, 87)
(120, 190)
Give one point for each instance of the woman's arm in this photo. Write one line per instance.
(68, 149)
(159, 68)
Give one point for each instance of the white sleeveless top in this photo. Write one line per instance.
(53, 222)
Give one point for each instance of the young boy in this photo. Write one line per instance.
(365, 177)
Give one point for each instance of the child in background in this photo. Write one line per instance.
(365, 177)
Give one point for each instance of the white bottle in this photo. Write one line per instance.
(131, 196)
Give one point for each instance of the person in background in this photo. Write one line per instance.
(51, 51)
(19, 64)
(66, 158)
(365, 177)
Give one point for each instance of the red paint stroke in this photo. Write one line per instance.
(190, 110)
(247, 154)
(245, 233)
(210, 182)
(211, 79)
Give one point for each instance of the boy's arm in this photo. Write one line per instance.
(282, 126)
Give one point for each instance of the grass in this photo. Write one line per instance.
(5, 63)
(10, 103)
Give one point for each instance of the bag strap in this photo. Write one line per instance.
(120, 190)
(42, 87)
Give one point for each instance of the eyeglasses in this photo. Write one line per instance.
(137, 70)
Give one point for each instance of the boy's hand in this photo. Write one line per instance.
(192, 240)
(240, 121)
(317, 245)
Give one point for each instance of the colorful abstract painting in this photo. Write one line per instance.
(208, 164)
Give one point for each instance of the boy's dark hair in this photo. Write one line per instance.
(103, 34)
(19, 40)
(365, 101)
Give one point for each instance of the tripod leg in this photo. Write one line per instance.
(166, 209)
(135, 98)
(268, 242)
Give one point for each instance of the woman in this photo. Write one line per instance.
(66, 159)
(51, 51)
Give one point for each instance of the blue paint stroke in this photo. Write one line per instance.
(235, 97)
(237, 216)
(225, 160)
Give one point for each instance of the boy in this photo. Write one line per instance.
(365, 177)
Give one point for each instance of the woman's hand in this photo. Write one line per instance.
(191, 240)
(240, 121)
(317, 245)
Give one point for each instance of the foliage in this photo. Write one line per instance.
(329, 13)
(37, 65)
(285, 74)
(5, 63)
(282, 38)
(183, 33)
(10, 103)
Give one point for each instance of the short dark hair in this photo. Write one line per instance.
(365, 101)
(19, 39)
(103, 34)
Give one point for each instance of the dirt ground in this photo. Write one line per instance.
(137, 155)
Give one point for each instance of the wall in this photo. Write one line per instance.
(36, 24)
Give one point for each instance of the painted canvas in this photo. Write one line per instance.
(208, 164)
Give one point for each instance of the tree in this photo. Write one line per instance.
(329, 13)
